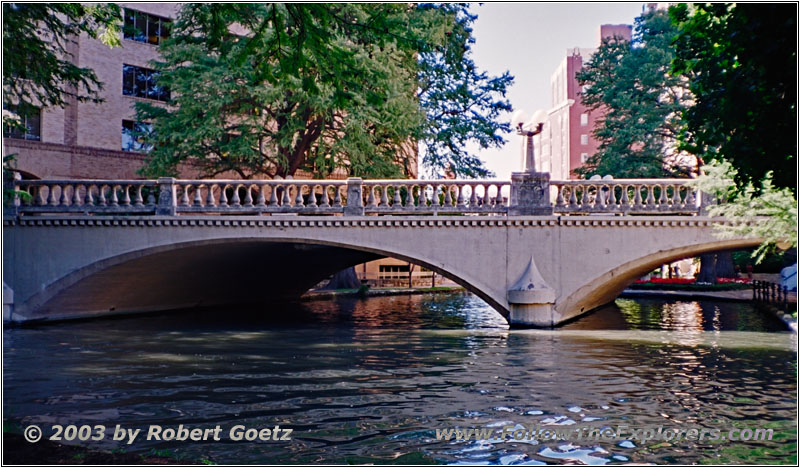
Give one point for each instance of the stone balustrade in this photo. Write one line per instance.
(435, 196)
(168, 196)
(86, 196)
(630, 196)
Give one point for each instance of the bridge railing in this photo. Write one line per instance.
(521, 195)
(637, 196)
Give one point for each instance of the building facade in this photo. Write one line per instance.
(96, 140)
(566, 140)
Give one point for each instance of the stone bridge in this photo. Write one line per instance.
(540, 252)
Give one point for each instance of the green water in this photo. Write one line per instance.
(370, 380)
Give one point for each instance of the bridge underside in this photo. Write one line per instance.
(200, 276)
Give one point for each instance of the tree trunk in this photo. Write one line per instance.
(708, 268)
(345, 279)
(724, 266)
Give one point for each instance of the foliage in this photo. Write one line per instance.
(640, 102)
(37, 71)
(462, 104)
(770, 214)
(275, 88)
(740, 61)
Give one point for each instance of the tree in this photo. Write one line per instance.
(740, 61)
(270, 89)
(37, 71)
(629, 84)
(770, 214)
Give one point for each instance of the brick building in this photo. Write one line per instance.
(89, 140)
(566, 140)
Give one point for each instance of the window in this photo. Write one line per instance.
(143, 27)
(141, 82)
(584, 157)
(584, 139)
(584, 120)
(29, 124)
(133, 136)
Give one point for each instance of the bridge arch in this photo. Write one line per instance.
(607, 286)
(210, 272)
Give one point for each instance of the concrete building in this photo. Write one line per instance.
(566, 139)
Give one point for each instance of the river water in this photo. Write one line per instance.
(371, 380)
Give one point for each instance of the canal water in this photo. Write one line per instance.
(371, 380)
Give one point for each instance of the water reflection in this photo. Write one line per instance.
(370, 381)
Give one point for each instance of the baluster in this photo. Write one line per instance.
(139, 201)
(460, 196)
(384, 197)
(298, 191)
(675, 200)
(625, 203)
(89, 200)
(397, 202)
(198, 195)
(312, 196)
(435, 201)
(248, 196)
(600, 196)
(223, 195)
(126, 199)
(114, 197)
(473, 196)
(651, 201)
(325, 198)
(185, 195)
(370, 195)
(637, 199)
(448, 196)
(422, 202)
(573, 199)
(51, 198)
(237, 202)
(151, 195)
(76, 195)
(559, 195)
(64, 199)
(210, 201)
(498, 200)
(337, 200)
(612, 196)
(585, 198)
(485, 201)
(285, 200)
(663, 203)
(261, 201)
(691, 200)
(273, 195)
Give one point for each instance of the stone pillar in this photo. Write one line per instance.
(11, 194)
(355, 203)
(532, 300)
(8, 303)
(167, 196)
(530, 194)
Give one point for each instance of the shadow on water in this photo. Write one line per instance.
(371, 380)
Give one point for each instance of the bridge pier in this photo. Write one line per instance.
(531, 300)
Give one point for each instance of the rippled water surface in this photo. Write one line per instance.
(370, 381)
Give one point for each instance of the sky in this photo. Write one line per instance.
(530, 40)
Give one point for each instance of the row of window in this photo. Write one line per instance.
(144, 27)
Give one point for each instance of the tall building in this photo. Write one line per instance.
(566, 140)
